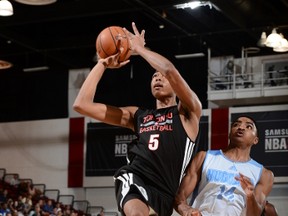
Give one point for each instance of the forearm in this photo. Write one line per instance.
(253, 207)
(88, 89)
(186, 188)
(256, 196)
(157, 61)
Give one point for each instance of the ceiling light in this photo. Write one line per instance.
(273, 40)
(191, 55)
(193, 4)
(262, 40)
(34, 69)
(36, 2)
(283, 47)
(6, 8)
(280, 49)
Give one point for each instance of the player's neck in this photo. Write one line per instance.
(237, 154)
(168, 102)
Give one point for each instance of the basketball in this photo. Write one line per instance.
(106, 43)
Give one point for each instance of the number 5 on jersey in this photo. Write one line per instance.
(153, 142)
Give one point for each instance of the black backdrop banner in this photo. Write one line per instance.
(272, 149)
(106, 147)
(202, 138)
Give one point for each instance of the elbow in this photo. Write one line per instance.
(168, 68)
(78, 107)
(199, 109)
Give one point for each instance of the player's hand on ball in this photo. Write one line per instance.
(113, 60)
(136, 40)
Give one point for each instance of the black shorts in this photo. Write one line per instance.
(130, 186)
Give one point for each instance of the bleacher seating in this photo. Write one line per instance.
(16, 186)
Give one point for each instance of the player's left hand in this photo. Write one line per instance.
(246, 184)
(135, 40)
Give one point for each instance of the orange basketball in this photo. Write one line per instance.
(106, 43)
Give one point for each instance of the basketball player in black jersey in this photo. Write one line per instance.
(166, 136)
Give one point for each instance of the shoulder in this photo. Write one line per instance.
(267, 176)
(201, 153)
(266, 181)
(197, 162)
(214, 152)
(138, 111)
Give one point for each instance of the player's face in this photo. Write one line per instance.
(244, 130)
(160, 86)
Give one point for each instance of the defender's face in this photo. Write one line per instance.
(244, 130)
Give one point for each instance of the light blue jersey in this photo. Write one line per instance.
(219, 192)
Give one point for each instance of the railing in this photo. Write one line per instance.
(81, 205)
(248, 80)
(52, 194)
(66, 199)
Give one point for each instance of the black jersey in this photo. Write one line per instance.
(161, 153)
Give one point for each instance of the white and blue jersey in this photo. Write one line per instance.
(219, 192)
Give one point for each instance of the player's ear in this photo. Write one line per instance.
(256, 140)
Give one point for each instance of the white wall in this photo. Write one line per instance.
(37, 150)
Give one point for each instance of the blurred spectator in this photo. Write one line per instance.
(31, 189)
(14, 181)
(37, 211)
(4, 209)
(101, 213)
(59, 212)
(3, 195)
(28, 204)
(67, 210)
(18, 206)
(56, 211)
(10, 205)
(41, 202)
(58, 207)
(48, 207)
(73, 213)
(21, 199)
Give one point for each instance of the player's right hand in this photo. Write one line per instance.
(113, 61)
(191, 212)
